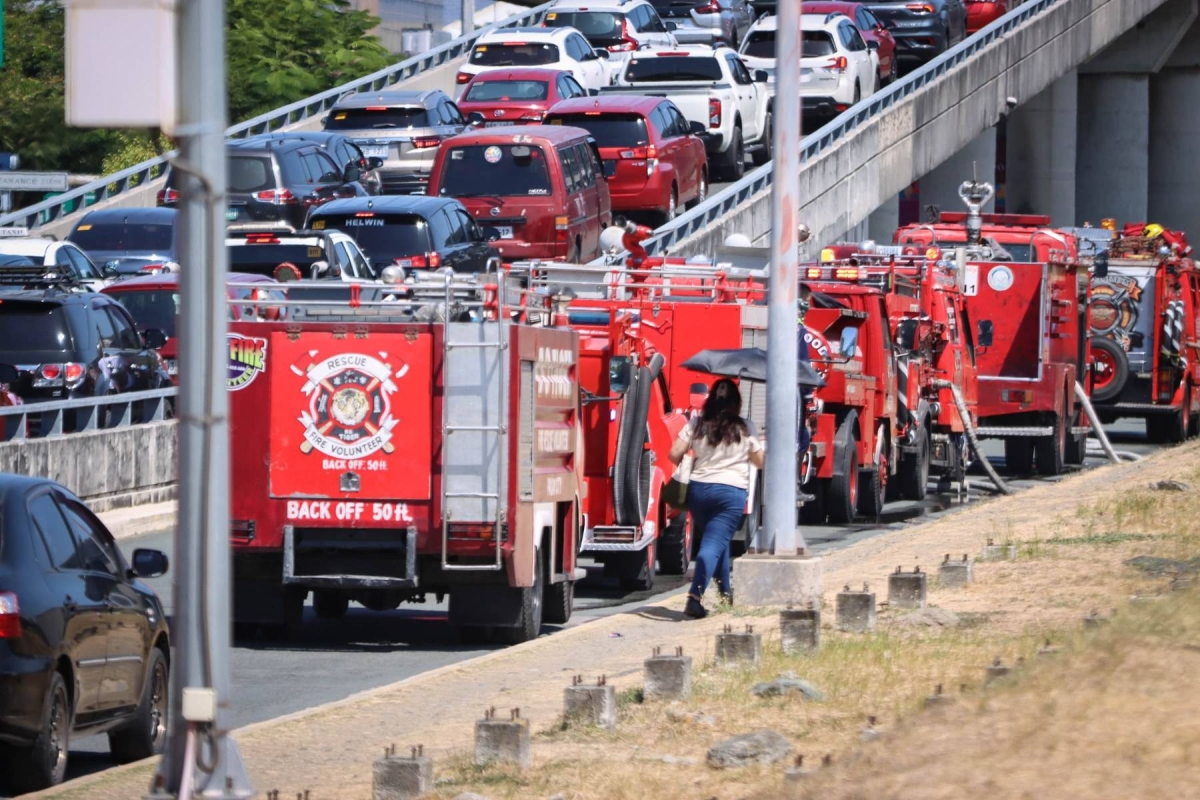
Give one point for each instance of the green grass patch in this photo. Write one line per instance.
(1102, 538)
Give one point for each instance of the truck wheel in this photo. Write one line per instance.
(1050, 451)
(733, 165)
(1112, 370)
(1169, 428)
(329, 604)
(1018, 455)
(871, 488)
(1076, 451)
(843, 488)
(813, 512)
(531, 606)
(763, 154)
(293, 615)
(637, 574)
(560, 602)
(914, 468)
(674, 550)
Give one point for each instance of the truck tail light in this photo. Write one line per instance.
(469, 530)
(462, 78)
(262, 238)
(425, 142)
(277, 197)
(1016, 396)
(10, 616)
(714, 113)
(560, 228)
(814, 273)
(167, 196)
(241, 531)
(848, 274)
(838, 64)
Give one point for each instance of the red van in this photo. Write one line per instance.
(540, 189)
(652, 156)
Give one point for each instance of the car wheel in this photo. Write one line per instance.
(45, 763)
(763, 154)
(894, 73)
(735, 157)
(702, 191)
(147, 733)
(672, 209)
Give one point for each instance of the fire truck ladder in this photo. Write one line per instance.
(474, 401)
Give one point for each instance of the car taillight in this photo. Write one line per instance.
(536, 116)
(462, 78)
(276, 197)
(74, 373)
(427, 261)
(167, 196)
(424, 142)
(51, 372)
(714, 112)
(152, 269)
(709, 8)
(920, 8)
(838, 64)
(627, 42)
(560, 228)
(10, 616)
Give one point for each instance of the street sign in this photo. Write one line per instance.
(33, 181)
(13, 231)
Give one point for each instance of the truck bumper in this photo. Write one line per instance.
(618, 539)
(296, 572)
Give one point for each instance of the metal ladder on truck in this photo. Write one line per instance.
(474, 429)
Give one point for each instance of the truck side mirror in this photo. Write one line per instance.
(906, 334)
(848, 342)
(985, 328)
(620, 374)
(1100, 265)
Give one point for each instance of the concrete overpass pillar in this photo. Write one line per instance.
(978, 159)
(882, 223)
(1113, 148)
(1041, 153)
(1175, 138)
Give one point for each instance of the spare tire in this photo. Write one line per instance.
(1112, 369)
(632, 463)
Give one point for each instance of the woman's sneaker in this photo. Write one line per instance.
(694, 610)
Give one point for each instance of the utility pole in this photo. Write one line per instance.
(779, 528)
(201, 759)
(468, 17)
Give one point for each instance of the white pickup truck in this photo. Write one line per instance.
(712, 86)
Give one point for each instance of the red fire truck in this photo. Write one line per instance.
(1144, 306)
(401, 442)
(1027, 306)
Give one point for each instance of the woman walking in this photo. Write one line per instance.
(724, 447)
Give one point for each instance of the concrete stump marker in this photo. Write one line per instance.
(737, 648)
(776, 580)
(938, 698)
(856, 610)
(590, 704)
(800, 629)
(907, 589)
(996, 670)
(955, 573)
(668, 677)
(400, 778)
(999, 552)
(797, 772)
(503, 740)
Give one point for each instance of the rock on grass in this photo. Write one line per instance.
(930, 618)
(759, 747)
(785, 685)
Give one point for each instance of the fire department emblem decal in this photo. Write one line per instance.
(349, 414)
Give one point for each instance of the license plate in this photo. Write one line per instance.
(374, 151)
(505, 231)
(231, 214)
(495, 124)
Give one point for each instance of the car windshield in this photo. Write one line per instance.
(151, 308)
(123, 236)
(346, 119)
(514, 54)
(495, 171)
(761, 44)
(262, 259)
(383, 237)
(507, 91)
(250, 174)
(673, 68)
(31, 327)
(601, 28)
(815, 44)
(609, 130)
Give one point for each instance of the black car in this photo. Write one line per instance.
(129, 241)
(70, 344)
(412, 231)
(344, 151)
(84, 646)
(922, 30)
(269, 180)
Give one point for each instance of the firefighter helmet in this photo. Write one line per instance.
(1152, 231)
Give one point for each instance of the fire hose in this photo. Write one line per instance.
(965, 414)
(1101, 436)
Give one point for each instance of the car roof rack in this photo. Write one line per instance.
(36, 276)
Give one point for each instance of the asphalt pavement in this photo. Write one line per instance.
(332, 660)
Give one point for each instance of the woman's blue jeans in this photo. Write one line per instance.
(717, 510)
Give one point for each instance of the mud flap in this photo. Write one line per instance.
(485, 606)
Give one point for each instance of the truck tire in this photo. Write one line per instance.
(532, 598)
(1112, 370)
(675, 546)
(871, 488)
(559, 602)
(637, 569)
(763, 154)
(330, 604)
(1018, 455)
(1170, 428)
(733, 160)
(1050, 452)
(1076, 451)
(842, 497)
(914, 468)
(813, 512)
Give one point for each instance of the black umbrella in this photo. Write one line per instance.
(747, 363)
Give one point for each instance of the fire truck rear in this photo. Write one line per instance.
(400, 442)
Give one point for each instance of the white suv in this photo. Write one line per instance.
(619, 26)
(837, 69)
(549, 48)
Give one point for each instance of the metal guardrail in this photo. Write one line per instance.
(84, 414)
(718, 205)
(126, 180)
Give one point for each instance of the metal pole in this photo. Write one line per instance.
(202, 581)
(468, 17)
(779, 528)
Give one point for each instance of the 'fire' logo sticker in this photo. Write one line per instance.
(349, 415)
(247, 358)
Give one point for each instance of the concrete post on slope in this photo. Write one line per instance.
(1041, 153)
(1175, 137)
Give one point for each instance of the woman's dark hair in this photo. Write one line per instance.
(721, 418)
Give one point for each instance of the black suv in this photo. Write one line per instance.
(411, 231)
(69, 344)
(344, 151)
(270, 180)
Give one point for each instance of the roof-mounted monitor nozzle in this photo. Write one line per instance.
(976, 195)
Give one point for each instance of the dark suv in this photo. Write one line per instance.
(270, 180)
(344, 151)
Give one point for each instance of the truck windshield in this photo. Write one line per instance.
(506, 91)
(815, 44)
(123, 236)
(152, 308)
(346, 119)
(27, 328)
(495, 171)
(262, 259)
(514, 54)
(601, 28)
(761, 44)
(383, 237)
(609, 130)
(673, 68)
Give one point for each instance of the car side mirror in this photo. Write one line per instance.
(154, 338)
(1100, 265)
(109, 271)
(148, 563)
(671, 27)
(906, 334)
(9, 373)
(872, 44)
(620, 374)
(600, 53)
(761, 76)
(848, 343)
(697, 128)
(985, 333)
(475, 120)
(352, 173)
(319, 269)
(593, 92)
(324, 120)
(490, 234)
(374, 162)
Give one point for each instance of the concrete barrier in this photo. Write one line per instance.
(108, 469)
